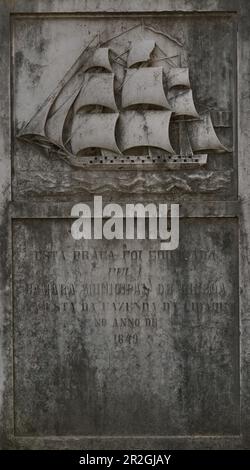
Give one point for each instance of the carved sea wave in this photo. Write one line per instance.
(37, 184)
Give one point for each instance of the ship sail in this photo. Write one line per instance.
(95, 130)
(35, 129)
(162, 96)
(182, 104)
(202, 135)
(97, 90)
(178, 76)
(145, 129)
(57, 103)
(144, 87)
(47, 126)
(185, 148)
(56, 120)
(141, 52)
(100, 58)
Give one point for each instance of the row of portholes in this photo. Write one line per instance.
(146, 159)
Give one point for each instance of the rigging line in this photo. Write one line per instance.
(171, 38)
(166, 58)
(64, 81)
(76, 130)
(72, 134)
(114, 59)
(79, 127)
(80, 88)
(126, 81)
(47, 146)
(61, 83)
(207, 108)
(120, 55)
(66, 100)
(120, 63)
(120, 34)
(180, 94)
(170, 61)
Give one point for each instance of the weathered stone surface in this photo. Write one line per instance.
(116, 344)
(125, 339)
(38, 73)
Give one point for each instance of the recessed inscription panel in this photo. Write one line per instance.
(124, 339)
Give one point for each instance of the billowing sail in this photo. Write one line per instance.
(35, 129)
(202, 135)
(55, 122)
(68, 124)
(178, 76)
(140, 52)
(183, 105)
(97, 89)
(94, 131)
(185, 148)
(56, 106)
(100, 58)
(144, 87)
(145, 129)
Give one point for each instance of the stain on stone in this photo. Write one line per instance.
(19, 59)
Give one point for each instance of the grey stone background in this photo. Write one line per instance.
(179, 377)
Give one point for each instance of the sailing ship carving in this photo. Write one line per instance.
(89, 119)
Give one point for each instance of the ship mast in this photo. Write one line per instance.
(84, 115)
(178, 79)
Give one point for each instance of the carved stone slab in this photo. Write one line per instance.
(153, 94)
(125, 339)
(116, 344)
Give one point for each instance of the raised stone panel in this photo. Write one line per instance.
(123, 338)
(117, 344)
(203, 45)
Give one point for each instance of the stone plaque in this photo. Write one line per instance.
(125, 339)
(119, 344)
(163, 113)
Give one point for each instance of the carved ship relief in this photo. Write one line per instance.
(134, 107)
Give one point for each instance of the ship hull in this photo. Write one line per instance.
(173, 162)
